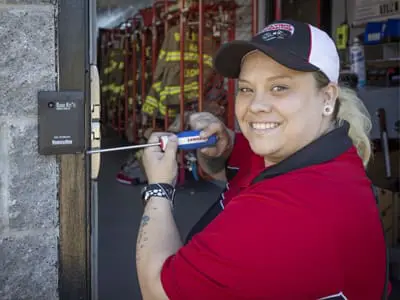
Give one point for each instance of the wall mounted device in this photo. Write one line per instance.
(61, 122)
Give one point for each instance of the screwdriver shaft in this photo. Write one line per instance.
(123, 148)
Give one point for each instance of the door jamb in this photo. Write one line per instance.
(74, 208)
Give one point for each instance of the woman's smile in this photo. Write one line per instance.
(262, 128)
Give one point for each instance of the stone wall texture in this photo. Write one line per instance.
(28, 182)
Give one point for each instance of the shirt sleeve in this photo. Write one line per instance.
(257, 248)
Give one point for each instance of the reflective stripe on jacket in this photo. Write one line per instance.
(166, 89)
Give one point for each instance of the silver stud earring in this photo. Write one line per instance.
(328, 110)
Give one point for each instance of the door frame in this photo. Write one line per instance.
(74, 248)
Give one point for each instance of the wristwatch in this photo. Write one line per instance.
(158, 190)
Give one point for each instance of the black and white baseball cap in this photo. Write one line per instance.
(296, 45)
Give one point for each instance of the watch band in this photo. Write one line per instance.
(158, 190)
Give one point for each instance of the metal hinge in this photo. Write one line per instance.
(95, 139)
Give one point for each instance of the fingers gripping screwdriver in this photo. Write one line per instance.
(187, 140)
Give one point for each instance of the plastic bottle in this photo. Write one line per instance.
(357, 60)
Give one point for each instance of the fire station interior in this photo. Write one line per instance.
(130, 37)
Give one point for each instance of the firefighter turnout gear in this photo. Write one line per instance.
(165, 90)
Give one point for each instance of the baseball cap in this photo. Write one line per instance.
(296, 45)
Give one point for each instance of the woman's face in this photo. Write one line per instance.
(279, 110)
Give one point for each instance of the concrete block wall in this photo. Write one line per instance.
(28, 182)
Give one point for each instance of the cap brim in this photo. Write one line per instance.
(229, 57)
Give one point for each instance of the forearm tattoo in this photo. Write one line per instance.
(142, 236)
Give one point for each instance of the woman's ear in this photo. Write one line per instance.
(330, 94)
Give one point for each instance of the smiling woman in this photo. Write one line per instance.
(298, 218)
(281, 108)
(280, 114)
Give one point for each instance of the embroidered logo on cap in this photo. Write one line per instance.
(277, 31)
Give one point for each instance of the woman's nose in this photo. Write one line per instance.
(260, 103)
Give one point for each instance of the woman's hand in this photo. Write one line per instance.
(161, 167)
(209, 124)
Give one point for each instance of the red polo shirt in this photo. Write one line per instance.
(311, 233)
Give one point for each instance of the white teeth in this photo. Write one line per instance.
(262, 126)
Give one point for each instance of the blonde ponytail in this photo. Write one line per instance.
(350, 108)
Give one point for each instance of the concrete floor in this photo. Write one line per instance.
(120, 212)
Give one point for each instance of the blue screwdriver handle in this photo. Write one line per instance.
(190, 140)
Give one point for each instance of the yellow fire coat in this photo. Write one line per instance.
(165, 90)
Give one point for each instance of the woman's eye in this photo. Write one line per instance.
(279, 88)
(244, 90)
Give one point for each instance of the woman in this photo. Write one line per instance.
(298, 219)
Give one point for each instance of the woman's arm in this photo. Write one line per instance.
(158, 239)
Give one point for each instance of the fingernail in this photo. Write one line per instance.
(202, 134)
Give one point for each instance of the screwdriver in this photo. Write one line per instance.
(187, 140)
